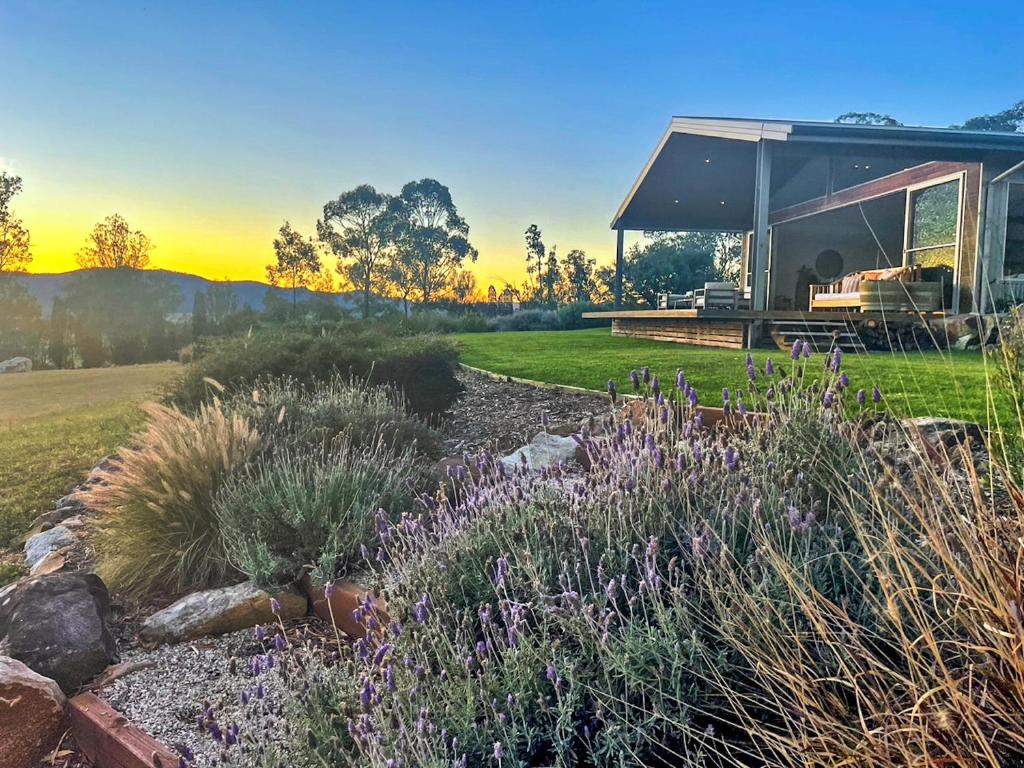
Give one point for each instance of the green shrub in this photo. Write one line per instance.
(11, 572)
(300, 417)
(156, 527)
(297, 510)
(570, 316)
(527, 320)
(421, 367)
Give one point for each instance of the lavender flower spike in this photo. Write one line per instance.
(861, 397)
(797, 346)
(876, 394)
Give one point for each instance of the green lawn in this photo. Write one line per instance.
(55, 425)
(951, 384)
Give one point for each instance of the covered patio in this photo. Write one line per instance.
(840, 224)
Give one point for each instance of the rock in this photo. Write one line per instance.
(31, 715)
(16, 365)
(339, 608)
(42, 544)
(52, 563)
(544, 450)
(58, 626)
(947, 432)
(70, 505)
(966, 341)
(216, 611)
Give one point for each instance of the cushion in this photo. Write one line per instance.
(852, 297)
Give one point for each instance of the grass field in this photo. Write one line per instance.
(55, 425)
(954, 384)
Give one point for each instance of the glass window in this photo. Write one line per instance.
(1014, 262)
(934, 212)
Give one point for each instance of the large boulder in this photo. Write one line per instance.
(42, 544)
(58, 625)
(16, 365)
(545, 450)
(31, 715)
(946, 432)
(216, 611)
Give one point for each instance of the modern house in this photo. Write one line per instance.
(840, 224)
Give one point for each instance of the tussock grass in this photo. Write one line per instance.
(157, 526)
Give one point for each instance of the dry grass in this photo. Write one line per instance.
(157, 526)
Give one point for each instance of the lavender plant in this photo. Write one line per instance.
(786, 587)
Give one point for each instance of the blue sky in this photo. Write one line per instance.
(207, 126)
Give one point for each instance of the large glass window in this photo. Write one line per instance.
(1013, 266)
(931, 241)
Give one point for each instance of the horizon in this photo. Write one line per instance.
(207, 141)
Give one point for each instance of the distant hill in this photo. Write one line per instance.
(46, 287)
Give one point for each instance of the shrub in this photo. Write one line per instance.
(810, 587)
(296, 510)
(299, 418)
(421, 367)
(570, 316)
(156, 526)
(527, 320)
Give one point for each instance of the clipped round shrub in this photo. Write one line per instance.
(421, 367)
(156, 527)
(306, 510)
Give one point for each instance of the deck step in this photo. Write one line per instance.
(822, 335)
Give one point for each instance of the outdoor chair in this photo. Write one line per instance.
(716, 296)
(672, 300)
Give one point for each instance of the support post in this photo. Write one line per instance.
(760, 242)
(618, 267)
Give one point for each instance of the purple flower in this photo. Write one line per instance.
(279, 642)
(797, 346)
(645, 374)
(329, 590)
(876, 394)
(837, 359)
(612, 392)
(732, 459)
(551, 673)
(807, 349)
(692, 397)
(828, 399)
(275, 606)
(741, 408)
(544, 420)
(499, 751)
(725, 394)
(680, 380)
(844, 380)
(750, 360)
(769, 367)
(634, 379)
(751, 372)
(861, 397)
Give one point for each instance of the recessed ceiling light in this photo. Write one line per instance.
(676, 202)
(867, 167)
(723, 202)
(707, 160)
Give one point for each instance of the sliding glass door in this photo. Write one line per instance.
(932, 237)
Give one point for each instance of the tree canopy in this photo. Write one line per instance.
(113, 244)
(359, 228)
(432, 239)
(15, 253)
(297, 264)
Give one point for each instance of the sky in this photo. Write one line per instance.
(207, 125)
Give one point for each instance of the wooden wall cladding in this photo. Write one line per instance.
(701, 333)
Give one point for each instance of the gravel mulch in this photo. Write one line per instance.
(503, 415)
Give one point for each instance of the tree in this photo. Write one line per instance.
(359, 228)
(552, 277)
(297, 262)
(1011, 120)
(59, 336)
(15, 252)
(432, 238)
(867, 118)
(463, 287)
(221, 303)
(578, 276)
(112, 244)
(200, 317)
(672, 263)
(21, 320)
(535, 253)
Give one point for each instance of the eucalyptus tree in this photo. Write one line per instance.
(113, 244)
(297, 264)
(431, 238)
(15, 252)
(360, 229)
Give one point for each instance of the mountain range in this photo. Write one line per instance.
(46, 287)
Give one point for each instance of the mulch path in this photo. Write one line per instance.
(503, 415)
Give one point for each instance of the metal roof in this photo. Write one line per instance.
(822, 133)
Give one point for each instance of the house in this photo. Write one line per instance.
(817, 202)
